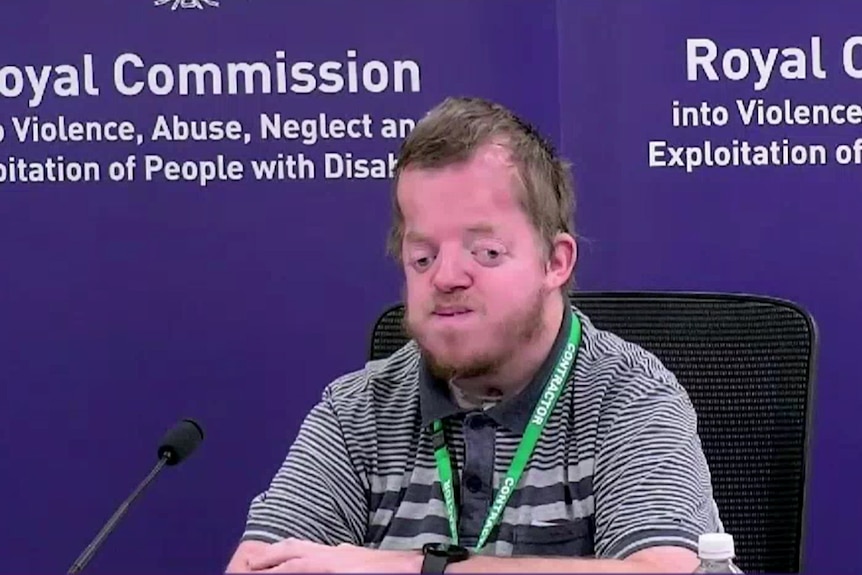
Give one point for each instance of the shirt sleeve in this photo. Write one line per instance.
(652, 484)
(316, 494)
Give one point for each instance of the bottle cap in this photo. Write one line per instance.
(715, 546)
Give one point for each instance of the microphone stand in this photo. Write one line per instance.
(97, 541)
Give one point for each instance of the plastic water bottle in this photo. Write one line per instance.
(716, 554)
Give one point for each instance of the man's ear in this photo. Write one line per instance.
(561, 261)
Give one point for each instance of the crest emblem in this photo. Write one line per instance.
(199, 4)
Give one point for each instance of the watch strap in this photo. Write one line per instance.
(433, 563)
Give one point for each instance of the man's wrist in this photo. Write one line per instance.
(438, 556)
(410, 562)
(407, 561)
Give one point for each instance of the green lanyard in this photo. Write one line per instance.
(547, 401)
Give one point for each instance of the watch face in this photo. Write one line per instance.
(453, 552)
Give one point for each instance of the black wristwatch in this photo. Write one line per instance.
(438, 556)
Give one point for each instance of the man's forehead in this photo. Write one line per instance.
(478, 229)
(494, 154)
(462, 182)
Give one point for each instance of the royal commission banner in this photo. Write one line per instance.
(194, 201)
(719, 149)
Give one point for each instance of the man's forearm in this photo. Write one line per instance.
(483, 564)
(295, 555)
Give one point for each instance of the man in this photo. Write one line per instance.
(410, 464)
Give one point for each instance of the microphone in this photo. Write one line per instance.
(176, 445)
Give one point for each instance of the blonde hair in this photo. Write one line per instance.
(452, 131)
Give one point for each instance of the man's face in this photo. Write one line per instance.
(475, 275)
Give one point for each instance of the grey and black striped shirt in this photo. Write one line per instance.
(619, 466)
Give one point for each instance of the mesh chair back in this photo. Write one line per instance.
(747, 362)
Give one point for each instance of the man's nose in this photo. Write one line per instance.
(451, 272)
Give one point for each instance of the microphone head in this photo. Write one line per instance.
(180, 441)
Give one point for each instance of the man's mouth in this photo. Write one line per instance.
(444, 311)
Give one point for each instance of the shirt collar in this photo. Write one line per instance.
(513, 413)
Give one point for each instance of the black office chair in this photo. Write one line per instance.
(748, 365)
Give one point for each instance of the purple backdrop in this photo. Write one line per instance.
(786, 231)
(127, 305)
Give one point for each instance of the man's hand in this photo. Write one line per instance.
(297, 556)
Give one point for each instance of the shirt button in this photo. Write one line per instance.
(473, 483)
(478, 421)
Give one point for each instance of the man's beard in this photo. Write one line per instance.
(515, 332)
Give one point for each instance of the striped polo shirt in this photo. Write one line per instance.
(618, 468)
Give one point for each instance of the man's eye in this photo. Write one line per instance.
(422, 262)
(489, 256)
